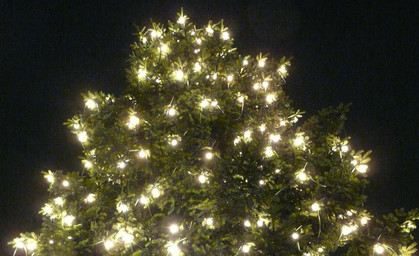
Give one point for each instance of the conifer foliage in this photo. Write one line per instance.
(203, 154)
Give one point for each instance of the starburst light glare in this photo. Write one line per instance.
(174, 228)
(82, 136)
(181, 20)
(155, 192)
(91, 104)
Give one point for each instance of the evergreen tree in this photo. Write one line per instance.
(203, 154)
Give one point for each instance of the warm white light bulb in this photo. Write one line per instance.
(265, 84)
(209, 155)
(261, 182)
(275, 138)
(108, 244)
(209, 221)
(225, 35)
(127, 238)
(346, 230)
(247, 224)
(181, 20)
(247, 134)
(171, 112)
(174, 142)
(47, 209)
(270, 98)
(230, 78)
(261, 63)
(143, 154)
(240, 99)
(66, 183)
(299, 141)
(344, 148)
(178, 75)
(379, 249)
(202, 178)
(164, 48)
(121, 164)
(315, 207)
(197, 67)
(277, 171)
(133, 122)
(82, 136)
(269, 151)
(91, 104)
(144, 200)
(364, 221)
(87, 164)
(31, 246)
(362, 168)
(90, 198)
(295, 236)
(142, 73)
(282, 123)
(282, 69)
(59, 201)
(302, 176)
(214, 103)
(50, 178)
(260, 222)
(68, 220)
(174, 229)
(155, 192)
(209, 30)
(204, 103)
(173, 249)
(122, 208)
(256, 86)
(246, 248)
(245, 62)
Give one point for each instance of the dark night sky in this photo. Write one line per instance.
(359, 52)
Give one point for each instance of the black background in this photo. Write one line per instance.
(359, 52)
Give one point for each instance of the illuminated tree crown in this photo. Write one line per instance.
(203, 154)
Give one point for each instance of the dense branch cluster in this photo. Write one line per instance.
(204, 155)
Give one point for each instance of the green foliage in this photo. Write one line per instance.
(206, 140)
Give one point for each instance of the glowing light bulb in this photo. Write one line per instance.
(122, 208)
(261, 63)
(214, 103)
(282, 123)
(320, 250)
(247, 134)
(173, 249)
(171, 112)
(269, 151)
(51, 241)
(315, 207)
(256, 86)
(265, 85)
(236, 141)
(344, 148)
(127, 238)
(174, 229)
(155, 193)
(209, 155)
(178, 75)
(87, 164)
(260, 222)
(59, 201)
(144, 154)
(90, 198)
(302, 176)
(364, 221)
(68, 220)
(261, 182)
(362, 168)
(202, 178)
(230, 78)
(76, 126)
(282, 70)
(275, 138)
(204, 103)
(246, 248)
(66, 183)
(197, 67)
(245, 62)
(142, 73)
(82, 136)
(209, 30)
(47, 209)
(240, 99)
(354, 162)
(121, 164)
(144, 200)
(295, 236)
(174, 142)
(31, 246)
(247, 224)
(209, 221)
(181, 20)
(225, 35)
(91, 104)
(277, 171)
(346, 230)
(262, 128)
(108, 245)
(270, 98)
(50, 178)
(133, 122)
(379, 249)
(299, 141)
(164, 49)
(199, 41)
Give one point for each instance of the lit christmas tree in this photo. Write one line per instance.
(203, 154)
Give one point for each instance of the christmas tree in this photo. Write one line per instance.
(203, 154)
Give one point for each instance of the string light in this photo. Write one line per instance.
(230, 78)
(262, 128)
(181, 20)
(379, 249)
(260, 222)
(344, 148)
(247, 134)
(364, 221)
(295, 236)
(282, 70)
(174, 142)
(50, 177)
(302, 176)
(178, 75)
(142, 73)
(155, 192)
(282, 123)
(59, 201)
(155, 34)
(270, 98)
(174, 229)
(204, 103)
(275, 138)
(225, 35)
(90, 198)
(209, 155)
(91, 104)
(122, 208)
(261, 63)
(245, 62)
(133, 122)
(209, 30)
(87, 164)
(121, 164)
(126, 237)
(47, 209)
(68, 220)
(202, 178)
(82, 136)
(256, 86)
(144, 200)
(265, 85)
(197, 67)
(362, 168)
(246, 248)
(269, 151)
(108, 245)
(144, 154)
(298, 141)
(209, 222)
(247, 224)
(66, 183)
(315, 207)
(173, 249)
(171, 112)
(31, 245)
(240, 99)
(261, 182)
